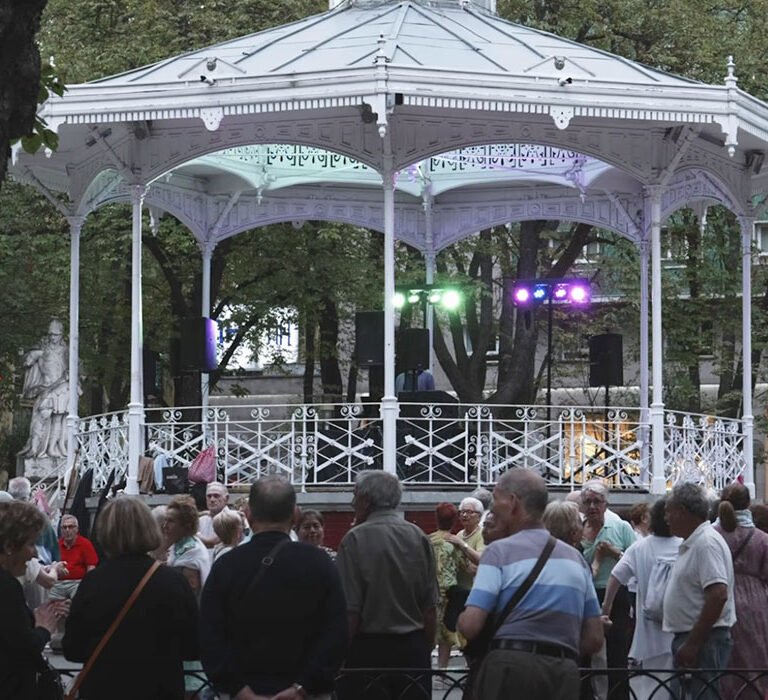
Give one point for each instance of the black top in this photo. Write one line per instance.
(143, 659)
(21, 643)
(290, 628)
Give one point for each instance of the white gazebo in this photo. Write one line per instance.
(427, 121)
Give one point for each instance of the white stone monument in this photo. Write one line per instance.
(46, 384)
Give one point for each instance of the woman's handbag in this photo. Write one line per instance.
(72, 694)
(47, 683)
(202, 469)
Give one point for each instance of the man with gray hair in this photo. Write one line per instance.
(20, 489)
(534, 651)
(387, 567)
(698, 603)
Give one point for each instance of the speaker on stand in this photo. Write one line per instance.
(606, 367)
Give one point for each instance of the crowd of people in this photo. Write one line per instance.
(248, 598)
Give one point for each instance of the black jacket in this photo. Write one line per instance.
(143, 659)
(21, 643)
(292, 628)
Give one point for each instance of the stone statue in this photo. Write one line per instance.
(46, 383)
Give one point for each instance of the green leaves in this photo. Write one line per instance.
(50, 83)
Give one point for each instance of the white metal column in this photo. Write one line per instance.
(429, 268)
(658, 480)
(389, 405)
(746, 348)
(644, 382)
(75, 226)
(207, 253)
(136, 405)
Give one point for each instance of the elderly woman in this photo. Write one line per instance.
(185, 550)
(22, 633)
(157, 633)
(188, 554)
(228, 527)
(749, 550)
(603, 543)
(562, 520)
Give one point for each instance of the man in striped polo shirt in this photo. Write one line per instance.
(533, 655)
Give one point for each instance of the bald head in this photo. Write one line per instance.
(529, 487)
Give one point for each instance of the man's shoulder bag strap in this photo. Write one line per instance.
(526, 585)
(266, 562)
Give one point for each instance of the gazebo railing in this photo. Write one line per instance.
(437, 444)
(704, 449)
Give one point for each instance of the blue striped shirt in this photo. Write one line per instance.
(555, 606)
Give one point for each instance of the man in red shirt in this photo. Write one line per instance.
(78, 554)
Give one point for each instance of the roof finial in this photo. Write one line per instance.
(731, 79)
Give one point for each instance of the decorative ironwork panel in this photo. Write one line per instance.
(437, 444)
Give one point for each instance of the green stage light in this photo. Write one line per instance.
(434, 297)
(414, 297)
(451, 300)
(399, 300)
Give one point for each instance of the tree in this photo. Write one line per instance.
(19, 73)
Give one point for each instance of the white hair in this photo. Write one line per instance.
(470, 503)
(596, 486)
(20, 488)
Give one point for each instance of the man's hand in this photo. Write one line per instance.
(686, 655)
(606, 549)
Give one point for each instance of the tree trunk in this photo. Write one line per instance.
(19, 72)
(330, 372)
(309, 361)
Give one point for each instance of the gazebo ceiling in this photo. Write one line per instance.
(472, 108)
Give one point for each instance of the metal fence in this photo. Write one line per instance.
(437, 443)
(638, 684)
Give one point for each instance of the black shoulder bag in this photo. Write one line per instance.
(476, 650)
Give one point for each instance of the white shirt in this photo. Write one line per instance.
(704, 560)
(649, 640)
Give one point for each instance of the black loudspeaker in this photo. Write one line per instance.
(369, 338)
(198, 344)
(413, 349)
(606, 364)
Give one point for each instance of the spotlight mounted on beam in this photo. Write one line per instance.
(448, 298)
(528, 293)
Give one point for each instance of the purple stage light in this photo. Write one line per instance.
(579, 294)
(521, 295)
(560, 292)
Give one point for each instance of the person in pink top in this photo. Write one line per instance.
(749, 549)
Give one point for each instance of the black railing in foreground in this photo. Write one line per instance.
(415, 684)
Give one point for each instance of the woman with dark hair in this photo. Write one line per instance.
(157, 633)
(749, 549)
(310, 528)
(651, 646)
(23, 634)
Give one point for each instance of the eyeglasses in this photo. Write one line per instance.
(468, 512)
(592, 502)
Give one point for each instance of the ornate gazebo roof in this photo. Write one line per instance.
(436, 77)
